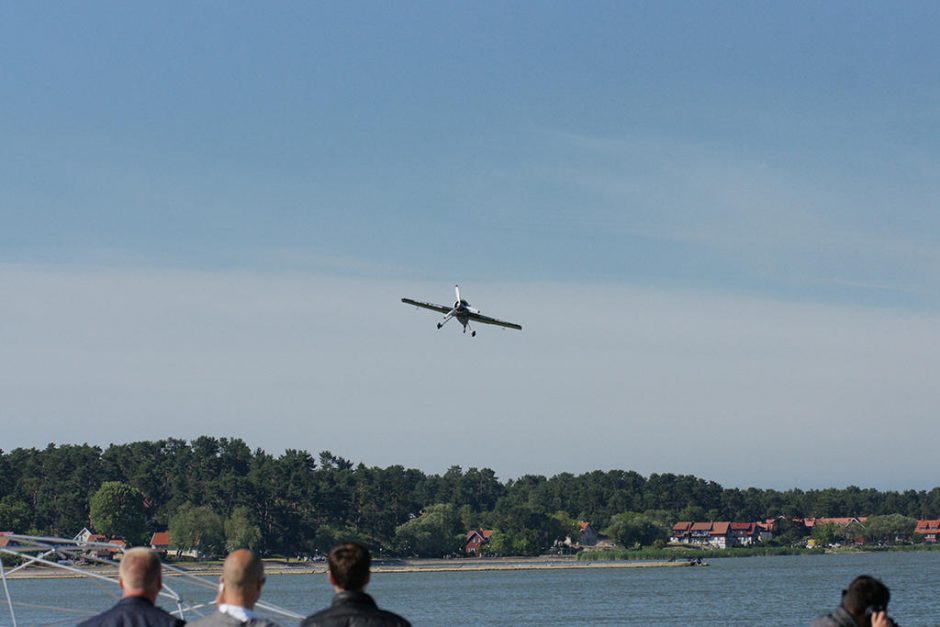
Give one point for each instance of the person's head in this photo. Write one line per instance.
(242, 579)
(349, 566)
(140, 574)
(864, 595)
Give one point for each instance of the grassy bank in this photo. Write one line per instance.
(693, 553)
(899, 548)
(683, 553)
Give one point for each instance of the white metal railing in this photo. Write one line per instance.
(37, 551)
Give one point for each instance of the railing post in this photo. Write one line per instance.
(6, 590)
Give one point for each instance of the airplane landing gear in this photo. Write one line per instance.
(473, 333)
(439, 325)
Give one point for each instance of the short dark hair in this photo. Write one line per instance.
(349, 564)
(865, 592)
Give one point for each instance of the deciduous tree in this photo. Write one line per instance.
(117, 509)
(432, 534)
(198, 528)
(825, 534)
(889, 529)
(631, 529)
(240, 530)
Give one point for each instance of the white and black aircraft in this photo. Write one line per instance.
(463, 312)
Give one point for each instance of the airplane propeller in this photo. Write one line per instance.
(466, 306)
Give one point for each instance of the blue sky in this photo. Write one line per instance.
(717, 223)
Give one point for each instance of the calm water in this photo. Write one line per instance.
(743, 591)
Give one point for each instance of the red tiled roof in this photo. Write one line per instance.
(835, 520)
(744, 528)
(842, 522)
(701, 526)
(720, 528)
(160, 538)
(483, 533)
(769, 524)
(682, 525)
(927, 526)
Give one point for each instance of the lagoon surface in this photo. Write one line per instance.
(784, 590)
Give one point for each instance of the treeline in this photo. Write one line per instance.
(296, 503)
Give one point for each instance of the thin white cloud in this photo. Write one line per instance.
(787, 225)
(321, 262)
(738, 389)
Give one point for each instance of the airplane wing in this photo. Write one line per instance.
(500, 323)
(416, 303)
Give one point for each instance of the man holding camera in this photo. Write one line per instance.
(864, 604)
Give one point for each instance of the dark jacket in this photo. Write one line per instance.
(354, 609)
(837, 618)
(841, 618)
(133, 612)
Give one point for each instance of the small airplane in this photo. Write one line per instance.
(463, 312)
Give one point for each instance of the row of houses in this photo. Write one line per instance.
(722, 534)
(159, 541)
(929, 529)
(114, 549)
(719, 534)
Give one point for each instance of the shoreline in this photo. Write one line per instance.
(279, 567)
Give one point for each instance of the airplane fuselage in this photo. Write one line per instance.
(462, 312)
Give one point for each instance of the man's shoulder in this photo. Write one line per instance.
(354, 617)
(392, 618)
(218, 619)
(215, 619)
(134, 613)
(381, 618)
(837, 618)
